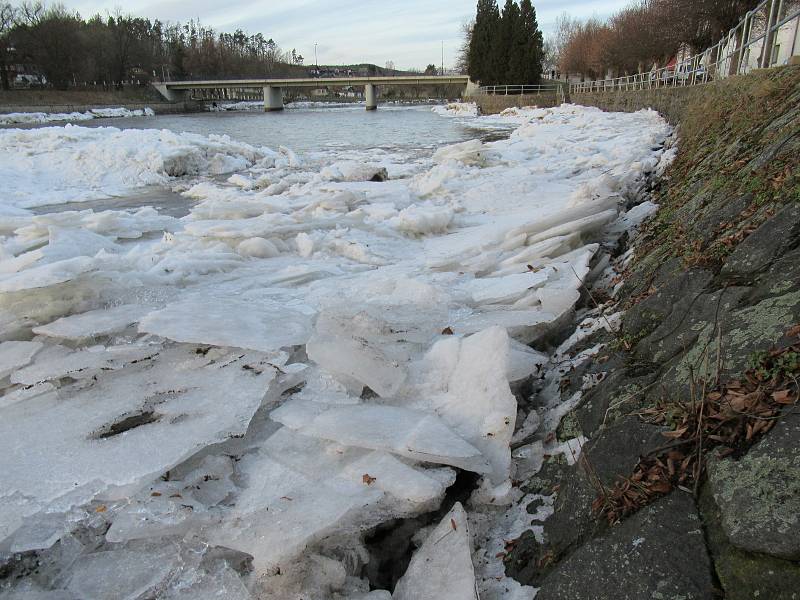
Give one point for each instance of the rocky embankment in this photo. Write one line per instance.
(689, 485)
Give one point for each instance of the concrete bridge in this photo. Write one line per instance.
(176, 91)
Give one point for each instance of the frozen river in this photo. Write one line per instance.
(232, 345)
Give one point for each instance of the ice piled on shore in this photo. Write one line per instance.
(311, 352)
(54, 165)
(457, 109)
(94, 113)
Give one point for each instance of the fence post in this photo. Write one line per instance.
(769, 38)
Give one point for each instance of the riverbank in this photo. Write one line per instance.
(687, 485)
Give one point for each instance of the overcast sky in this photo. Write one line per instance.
(408, 32)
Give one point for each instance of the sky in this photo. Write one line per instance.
(409, 33)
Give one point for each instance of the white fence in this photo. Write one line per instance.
(768, 36)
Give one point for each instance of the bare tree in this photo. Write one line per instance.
(462, 59)
(7, 17)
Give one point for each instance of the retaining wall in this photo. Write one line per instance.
(494, 104)
(670, 102)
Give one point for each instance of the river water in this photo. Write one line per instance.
(320, 134)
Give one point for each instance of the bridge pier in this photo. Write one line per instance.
(369, 96)
(273, 98)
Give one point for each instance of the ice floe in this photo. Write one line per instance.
(228, 404)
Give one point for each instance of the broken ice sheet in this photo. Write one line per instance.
(281, 511)
(410, 433)
(265, 326)
(168, 508)
(122, 431)
(14, 355)
(124, 574)
(94, 323)
(56, 362)
(442, 567)
(466, 384)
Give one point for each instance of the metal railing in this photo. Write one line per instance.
(768, 36)
(525, 90)
(517, 90)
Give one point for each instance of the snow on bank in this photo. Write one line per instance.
(457, 109)
(94, 113)
(312, 351)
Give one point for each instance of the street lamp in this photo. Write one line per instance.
(315, 57)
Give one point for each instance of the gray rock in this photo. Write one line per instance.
(659, 553)
(621, 392)
(676, 292)
(613, 453)
(744, 331)
(759, 495)
(571, 523)
(772, 239)
(744, 575)
(681, 328)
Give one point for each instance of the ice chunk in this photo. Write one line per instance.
(423, 220)
(257, 247)
(221, 583)
(123, 430)
(387, 473)
(361, 360)
(94, 323)
(123, 574)
(58, 362)
(281, 511)
(48, 274)
(442, 567)
(525, 325)
(402, 431)
(506, 289)
(265, 326)
(14, 355)
(24, 393)
(523, 361)
(478, 403)
(173, 507)
(471, 152)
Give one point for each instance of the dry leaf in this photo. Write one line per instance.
(675, 434)
(367, 479)
(101, 509)
(453, 524)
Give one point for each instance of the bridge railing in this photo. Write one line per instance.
(768, 36)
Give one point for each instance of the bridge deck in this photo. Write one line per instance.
(318, 82)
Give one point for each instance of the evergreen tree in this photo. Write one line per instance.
(484, 33)
(502, 44)
(527, 48)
